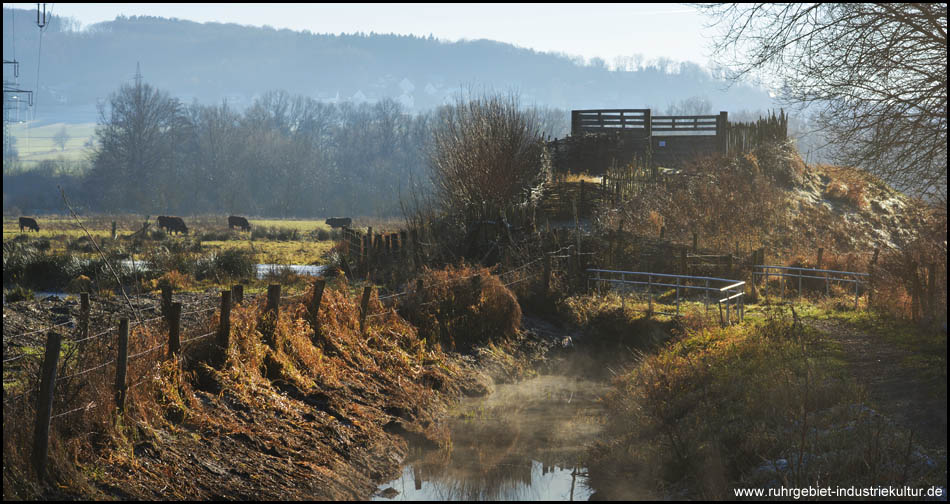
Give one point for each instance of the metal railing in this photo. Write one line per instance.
(784, 272)
(732, 294)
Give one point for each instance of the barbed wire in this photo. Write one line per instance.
(80, 373)
(18, 357)
(199, 337)
(81, 408)
(199, 311)
(43, 329)
(143, 352)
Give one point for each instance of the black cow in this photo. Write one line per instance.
(29, 223)
(235, 221)
(172, 224)
(336, 222)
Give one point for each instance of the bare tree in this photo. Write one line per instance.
(61, 138)
(876, 73)
(133, 162)
(486, 153)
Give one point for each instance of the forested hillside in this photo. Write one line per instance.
(210, 62)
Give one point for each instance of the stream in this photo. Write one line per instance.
(526, 441)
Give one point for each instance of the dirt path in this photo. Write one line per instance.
(893, 388)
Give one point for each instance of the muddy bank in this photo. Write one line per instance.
(238, 438)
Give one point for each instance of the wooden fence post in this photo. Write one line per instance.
(121, 364)
(871, 269)
(83, 315)
(224, 326)
(364, 306)
(547, 274)
(166, 300)
(818, 260)
(695, 242)
(477, 287)
(931, 292)
(273, 299)
(174, 329)
(237, 294)
(318, 286)
(414, 235)
(44, 404)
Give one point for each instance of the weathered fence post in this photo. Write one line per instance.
(931, 292)
(547, 274)
(114, 234)
(364, 306)
(477, 287)
(121, 364)
(370, 253)
(650, 288)
(237, 294)
(174, 329)
(818, 260)
(273, 299)
(224, 326)
(318, 285)
(871, 268)
(83, 315)
(44, 404)
(166, 300)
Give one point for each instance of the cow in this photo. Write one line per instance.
(172, 224)
(235, 221)
(336, 222)
(29, 223)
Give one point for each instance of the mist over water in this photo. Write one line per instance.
(526, 441)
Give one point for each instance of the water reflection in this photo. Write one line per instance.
(526, 441)
(261, 271)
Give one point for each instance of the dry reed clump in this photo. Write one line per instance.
(755, 405)
(174, 279)
(461, 307)
(847, 184)
(292, 352)
(609, 320)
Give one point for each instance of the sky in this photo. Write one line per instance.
(605, 31)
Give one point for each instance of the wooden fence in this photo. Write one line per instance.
(601, 137)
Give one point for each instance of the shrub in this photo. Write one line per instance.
(458, 311)
(19, 294)
(175, 280)
(238, 263)
(82, 283)
(275, 233)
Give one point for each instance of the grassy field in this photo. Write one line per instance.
(36, 144)
(212, 232)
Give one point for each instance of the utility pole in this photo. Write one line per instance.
(12, 89)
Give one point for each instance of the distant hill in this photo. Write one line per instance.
(211, 62)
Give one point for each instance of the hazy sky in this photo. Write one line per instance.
(589, 30)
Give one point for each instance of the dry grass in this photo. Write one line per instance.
(459, 307)
(294, 353)
(756, 405)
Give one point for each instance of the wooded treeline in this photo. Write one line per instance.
(285, 156)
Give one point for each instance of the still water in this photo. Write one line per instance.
(261, 271)
(526, 441)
